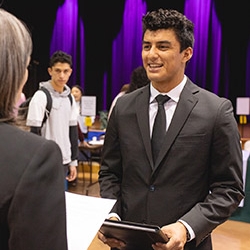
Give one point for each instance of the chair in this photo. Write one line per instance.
(91, 153)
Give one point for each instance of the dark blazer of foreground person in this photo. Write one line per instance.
(32, 196)
(32, 201)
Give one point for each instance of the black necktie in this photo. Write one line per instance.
(159, 128)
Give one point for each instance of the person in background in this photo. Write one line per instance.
(195, 183)
(61, 125)
(138, 78)
(77, 91)
(123, 91)
(21, 110)
(32, 207)
(21, 100)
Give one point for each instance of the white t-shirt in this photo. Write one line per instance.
(61, 117)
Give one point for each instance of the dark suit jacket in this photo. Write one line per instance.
(198, 174)
(32, 197)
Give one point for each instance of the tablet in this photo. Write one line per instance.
(134, 235)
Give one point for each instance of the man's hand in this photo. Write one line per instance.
(72, 173)
(177, 235)
(111, 242)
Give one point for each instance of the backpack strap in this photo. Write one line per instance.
(70, 98)
(48, 105)
(49, 102)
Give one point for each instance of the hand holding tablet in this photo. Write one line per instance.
(134, 235)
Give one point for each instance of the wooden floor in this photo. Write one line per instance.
(232, 235)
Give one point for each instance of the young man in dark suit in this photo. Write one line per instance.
(195, 182)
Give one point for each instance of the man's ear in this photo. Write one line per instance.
(49, 71)
(188, 53)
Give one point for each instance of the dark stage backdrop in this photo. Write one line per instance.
(104, 39)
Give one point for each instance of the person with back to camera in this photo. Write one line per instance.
(195, 182)
(61, 124)
(32, 197)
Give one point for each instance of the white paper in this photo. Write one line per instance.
(243, 106)
(96, 142)
(85, 215)
(245, 155)
(88, 106)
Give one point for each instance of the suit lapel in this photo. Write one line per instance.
(142, 113)
(184, 107)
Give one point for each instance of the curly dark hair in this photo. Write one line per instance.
(138, 79)
(171, 19)
(61, 57)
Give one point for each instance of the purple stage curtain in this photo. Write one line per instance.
(207, 38)
(126, 49)
(220, 61)
(218, 64)
(248, 72)
(68, 36)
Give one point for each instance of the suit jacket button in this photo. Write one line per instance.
(152, 188)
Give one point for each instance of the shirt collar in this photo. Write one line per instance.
(174, 93)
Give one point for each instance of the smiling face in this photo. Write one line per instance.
(162, 59)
